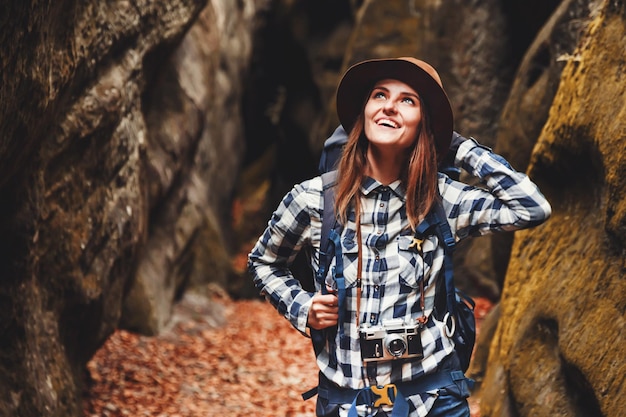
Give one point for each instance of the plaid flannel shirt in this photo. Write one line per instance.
(392, 267)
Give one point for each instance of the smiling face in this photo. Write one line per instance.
(392, 115)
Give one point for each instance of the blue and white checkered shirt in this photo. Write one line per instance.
(392, 269)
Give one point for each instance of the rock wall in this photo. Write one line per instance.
(192, 108)
(559, 347)
(119, 149)
(523, 116)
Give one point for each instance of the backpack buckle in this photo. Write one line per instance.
(386, 394)
(452, 328)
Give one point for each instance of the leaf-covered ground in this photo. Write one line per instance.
(218, 358)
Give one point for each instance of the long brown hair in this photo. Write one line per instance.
(418, 175)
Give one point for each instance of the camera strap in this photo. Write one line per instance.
(359, 270)
(417, 244)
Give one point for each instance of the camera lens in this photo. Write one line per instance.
(396, 345)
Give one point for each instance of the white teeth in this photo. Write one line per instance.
(387, 122)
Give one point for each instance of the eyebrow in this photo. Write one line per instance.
(406, 93)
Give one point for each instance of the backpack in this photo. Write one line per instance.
(459, 308)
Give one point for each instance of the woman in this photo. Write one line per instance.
(400, 126)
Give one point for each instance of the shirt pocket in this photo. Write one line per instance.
(349, 253)
(415, 263)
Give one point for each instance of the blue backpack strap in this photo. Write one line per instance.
(329, 222)
(327, 253)
(330, 245)
(438, 220)
(445, 234)
(340, 281)
(460, 307)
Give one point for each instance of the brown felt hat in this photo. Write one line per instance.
(359, 79)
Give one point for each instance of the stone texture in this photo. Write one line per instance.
(559, 347)
(530, 98)
(523, 117)
(117, 160)
(193, 116)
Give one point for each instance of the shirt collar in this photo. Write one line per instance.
(370, 185)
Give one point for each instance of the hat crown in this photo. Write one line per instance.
(426, 67)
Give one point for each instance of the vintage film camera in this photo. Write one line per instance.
(394, 339)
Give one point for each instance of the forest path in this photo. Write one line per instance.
(219, 357)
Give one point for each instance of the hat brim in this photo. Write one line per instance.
(359, 79)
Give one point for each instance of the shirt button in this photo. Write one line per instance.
(382, 204)
(379, 232)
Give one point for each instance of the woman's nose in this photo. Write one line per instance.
(390, 106)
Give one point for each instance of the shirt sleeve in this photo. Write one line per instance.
(288, 230)
(504, 199)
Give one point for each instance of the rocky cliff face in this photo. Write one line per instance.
(560, 344)
(143, 144)
(119, 147)
(192, 109)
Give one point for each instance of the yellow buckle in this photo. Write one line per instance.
(383, 391)
(417, 244)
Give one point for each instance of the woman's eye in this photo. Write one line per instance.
(408, 100)
(379, 94)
